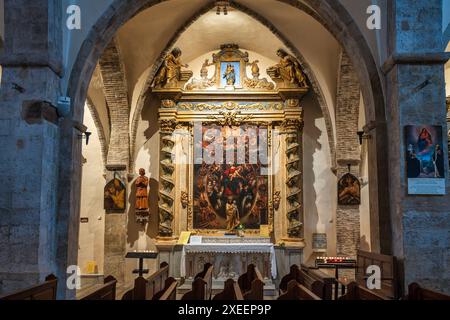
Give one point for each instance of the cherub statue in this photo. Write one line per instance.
(170, 70)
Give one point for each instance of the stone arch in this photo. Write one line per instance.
(286, 42)
(333, 16)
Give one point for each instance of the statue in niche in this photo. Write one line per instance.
(230, 75)
(141, 192)
(170, 71)
(288, 69)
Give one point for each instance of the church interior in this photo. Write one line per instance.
(225, 150)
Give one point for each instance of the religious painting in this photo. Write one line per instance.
(115, 197)
(425, 166)
(230, 74)
(349, 190)
(231, 180)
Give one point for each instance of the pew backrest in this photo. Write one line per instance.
(416, 292)
(106, 291)
(169, 292)
(202, 285)
(231, 292)
(317, 281)
(257, 287)
(296, 291)
(390, 282)
(198, 291)
(43, 291)
(293, 274)
(146, 288)
(357, 292)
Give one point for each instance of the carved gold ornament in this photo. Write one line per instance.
(230, 118)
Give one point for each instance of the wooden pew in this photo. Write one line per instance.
(146, 288)
(317, 281)
(303, 278)
(416, 292)
(43, 291)
(169, 292)
(231, 292)
(356, 292)
(390, 282)
(296, 291)
(251, 284)
(106, 291)
(202, 285)
(293, 274)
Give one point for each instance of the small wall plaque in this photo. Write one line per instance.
(84, 220)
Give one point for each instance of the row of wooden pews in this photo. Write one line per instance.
(47, 291)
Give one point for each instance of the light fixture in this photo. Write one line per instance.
(222, 6)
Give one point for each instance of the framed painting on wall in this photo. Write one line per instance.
(425, 164)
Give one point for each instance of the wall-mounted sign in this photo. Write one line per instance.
(84, 220)
(319, 241)
(425, 167)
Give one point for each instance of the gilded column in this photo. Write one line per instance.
(293, 127)
(166, 177)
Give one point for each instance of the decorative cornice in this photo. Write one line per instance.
(415, 58)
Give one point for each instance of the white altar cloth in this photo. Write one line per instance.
(230, 248)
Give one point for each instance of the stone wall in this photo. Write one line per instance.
(416, 96)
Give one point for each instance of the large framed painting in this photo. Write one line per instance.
(231, 181)
(425, 164)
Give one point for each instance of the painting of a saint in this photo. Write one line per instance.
(230, 74)
(231, 192)
(424, 157)
(349, 190)
(114, 197)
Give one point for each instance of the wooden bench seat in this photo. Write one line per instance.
(357, 292)
(296, 291)
(146, 288)
(201, 286)
(43, 291)
(106, 291)
(416, 292)
(251, 284)
(231, 292)
(169, 292)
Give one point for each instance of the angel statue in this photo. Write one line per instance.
(289, 69)
(169, 73)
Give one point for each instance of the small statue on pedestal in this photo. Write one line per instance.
(141, 208)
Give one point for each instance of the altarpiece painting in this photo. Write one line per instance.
(232, 188)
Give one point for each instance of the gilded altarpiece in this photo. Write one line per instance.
(257, 175)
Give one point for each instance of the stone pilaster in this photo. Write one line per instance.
(415, 96)
(347, 153)
(30, 222)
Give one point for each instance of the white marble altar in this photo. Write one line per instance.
(229, 256)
